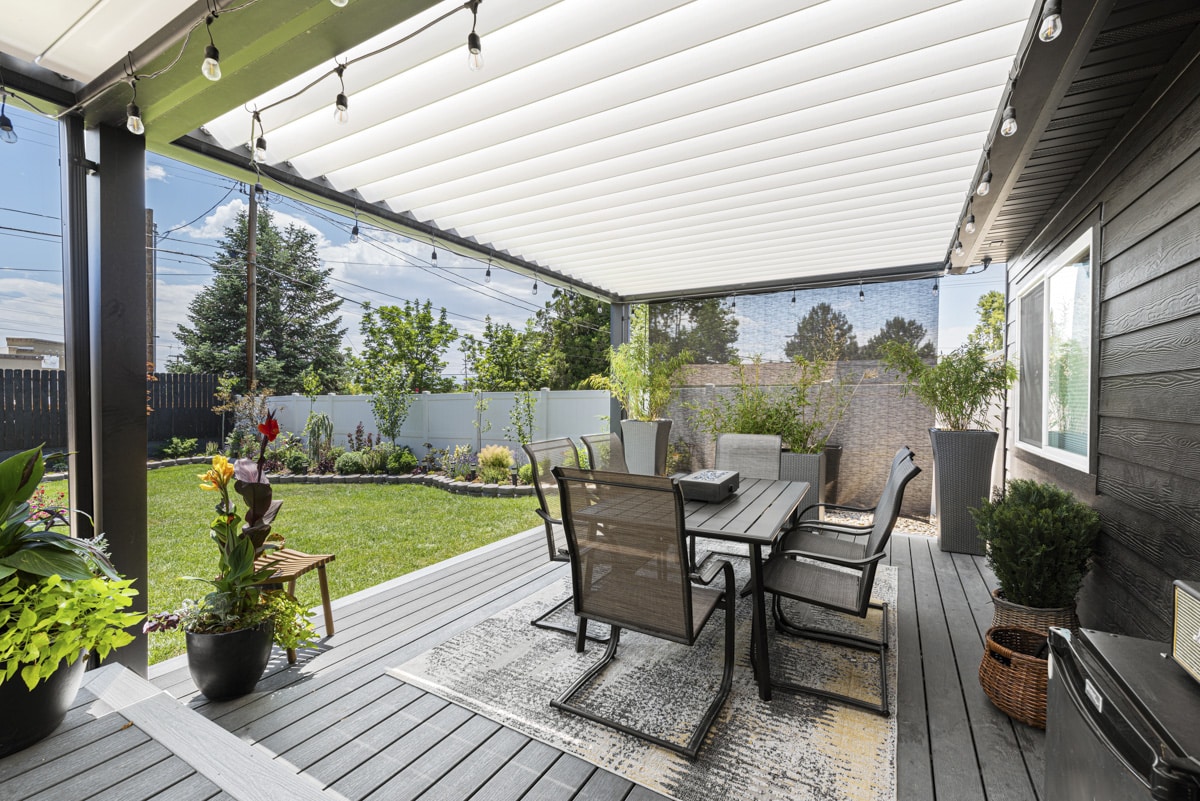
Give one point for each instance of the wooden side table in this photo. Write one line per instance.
(290, 565)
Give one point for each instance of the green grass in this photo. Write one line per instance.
(377, 531)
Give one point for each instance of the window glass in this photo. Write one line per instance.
(1030, 372)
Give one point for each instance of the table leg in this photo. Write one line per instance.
(759, 656)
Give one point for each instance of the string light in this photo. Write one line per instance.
(535, 285)
(7, 134)
(259, 151)
(474, 44)
(862, 298)
(1008, 125)
(793, 296)
(487, 277)
(211, 66)
(985, 182)
(1051, 25)
(340, 3)
(433, 244)
(133, 114)
(341, 106)
(734, 304)
(935, 287)
(969, 225)
(958, 247)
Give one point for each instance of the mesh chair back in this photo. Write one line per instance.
(886, 514)
(752, 455)
(605, 452)
(629, 561)
(544, 456)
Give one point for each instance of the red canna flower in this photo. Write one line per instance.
(269, 428)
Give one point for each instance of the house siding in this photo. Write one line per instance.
(1145, 479)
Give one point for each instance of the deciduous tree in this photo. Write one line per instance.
(409, 337)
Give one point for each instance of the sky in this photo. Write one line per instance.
(192, 208)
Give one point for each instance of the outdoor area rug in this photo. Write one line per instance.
(794, 747)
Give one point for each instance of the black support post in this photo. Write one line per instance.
(618, 333)
(118, 374)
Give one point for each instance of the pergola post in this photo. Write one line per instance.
(618, 333)
(117, 228)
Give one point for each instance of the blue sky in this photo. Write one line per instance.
(192, 207)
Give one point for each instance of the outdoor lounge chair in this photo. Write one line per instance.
(837, 575)
(605, 452)
(629, 569)
(544, 456)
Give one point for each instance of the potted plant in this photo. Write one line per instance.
(959, 388)
(230, 630)
(60, 598)
(803, 412)
(1040, 543)
(641, 377)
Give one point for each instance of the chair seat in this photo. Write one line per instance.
(824, 544)
(814, 583)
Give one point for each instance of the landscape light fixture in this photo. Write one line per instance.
(474, 44)
(7, 134)
(133, 114)
(1008, 125)
(211, 66)
(1051, 25)
(341, 106)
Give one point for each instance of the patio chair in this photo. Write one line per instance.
(752, 455)
(838, 577)
(903, 453)
(625, 537)
(605, 452)
(544, 456)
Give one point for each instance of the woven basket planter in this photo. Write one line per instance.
(1009, 615)
(1013, 675)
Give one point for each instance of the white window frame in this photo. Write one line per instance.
(1041, 278)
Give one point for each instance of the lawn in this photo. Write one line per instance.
(378, 531)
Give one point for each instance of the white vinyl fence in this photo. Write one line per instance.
(454, 418)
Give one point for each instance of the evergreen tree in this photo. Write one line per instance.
(298, 327)
(704, 328)
(898, 329)
(823, 335)
(408, 337)
(576, 342)
(989, 331)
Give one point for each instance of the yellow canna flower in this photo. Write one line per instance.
(217, 477)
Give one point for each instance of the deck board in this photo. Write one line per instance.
(345, 726)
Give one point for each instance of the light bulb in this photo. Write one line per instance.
(487, 277)
(1008, 126)
(935, 287)
(985, 184)
(535, 286)
(260, 149)
(354, 234)
(340, 3)
(793, 296)
(341, 109)
(970, 224)
(958, 248)
(211, 67)
(1051, 25)
(434, 256)
(133, 119)
(862, 298)
(7, 134)
(474, 52)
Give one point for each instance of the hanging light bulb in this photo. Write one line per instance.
(935, 287)
(433, 257)
(987, 260)
(985, 184)
(133, 115)
(260, 150)
(354, 234)
(1051, 25)
(487, 277)
(958, 248)
(340, 3)
(862, 298)
(969, 226)
(734, 304)
(474, 44)
(211, 66)
(341, 106)
(1008, 125)
(7, 134)
(793, 296)
(535, 285)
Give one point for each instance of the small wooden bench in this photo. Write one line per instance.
(290, 565)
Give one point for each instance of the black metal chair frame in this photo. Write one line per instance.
(594, 480)
(903, 472)
(556, 554)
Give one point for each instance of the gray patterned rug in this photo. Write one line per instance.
(794, 747)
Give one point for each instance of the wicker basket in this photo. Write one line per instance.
(1010, 615)
(1012, 674)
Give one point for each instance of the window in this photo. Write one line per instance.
(1055, 341)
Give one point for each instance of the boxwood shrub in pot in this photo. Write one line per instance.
(60, 598)
(1040, 543)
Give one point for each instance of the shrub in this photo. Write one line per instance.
(296, 461)
(1040, 542)
(350, 463)
(401, 461)
(494, 461)
(525, 474)
(374, 461)
(177, 448)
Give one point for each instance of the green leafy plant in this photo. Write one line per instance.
(1040, 542)
(295, 460)
(401, 461)
(521, 418)
(494, 464)
(350, 464)
(179, 448)
(641, 375)
(59, 595)
(525, 474)
(959, 388)
(318, 434)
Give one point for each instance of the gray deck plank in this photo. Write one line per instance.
(111, 775)
(955, 766)
(604, 786)
(474, 771)
(914, 772)
(563, 780)
(145, 784)
(193, 788)
(640, 793)
(79, 761)
(438, 761)
(514, 779)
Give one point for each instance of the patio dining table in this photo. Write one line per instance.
(754, 515)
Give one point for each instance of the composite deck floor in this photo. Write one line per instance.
(340, 723)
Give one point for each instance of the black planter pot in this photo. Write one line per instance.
(962, 478)
(30, 715)
(229, 665)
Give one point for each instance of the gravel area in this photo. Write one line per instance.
(904, 525)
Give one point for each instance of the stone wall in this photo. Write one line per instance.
(877, 422)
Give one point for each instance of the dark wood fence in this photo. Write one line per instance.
(33, 408)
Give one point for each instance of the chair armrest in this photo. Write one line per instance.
(708, 571)
(836, 528)
(837, 506)
(835, 560)
(552, 521)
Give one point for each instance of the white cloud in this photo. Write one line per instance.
(156, 172)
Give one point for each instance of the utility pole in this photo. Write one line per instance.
(251, 278)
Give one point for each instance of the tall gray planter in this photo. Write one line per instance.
(645, 444)
(962, 478)
(808, 467)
